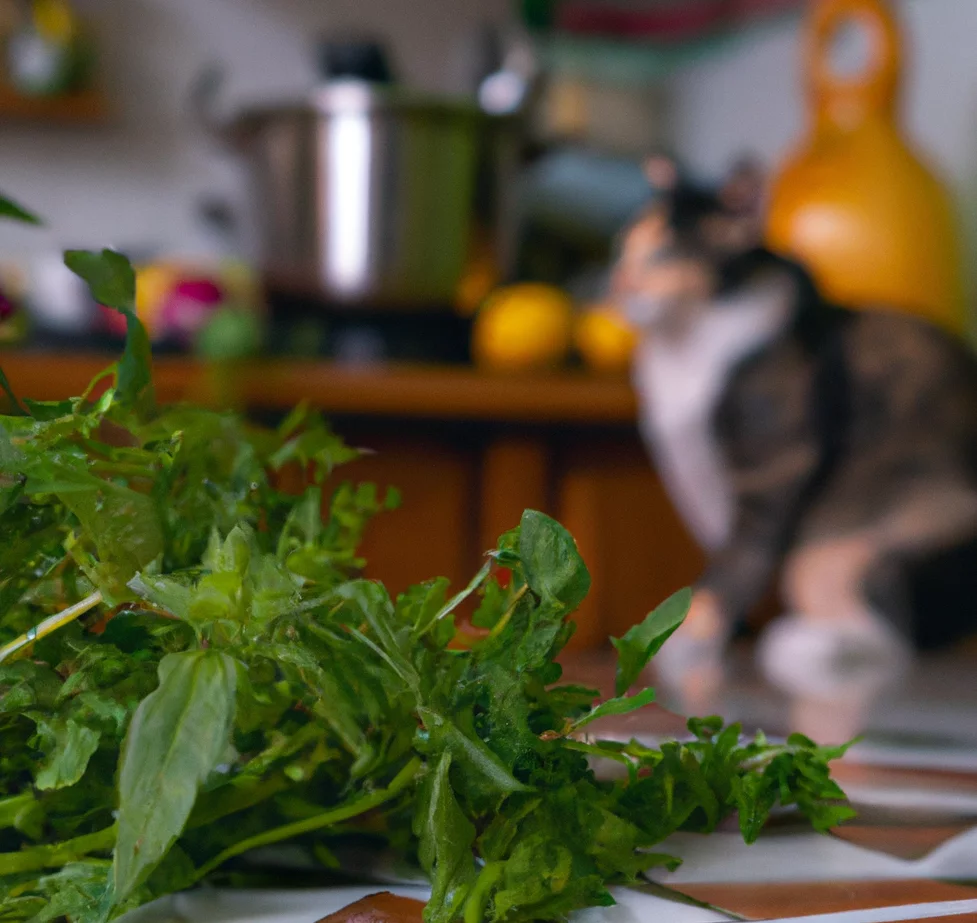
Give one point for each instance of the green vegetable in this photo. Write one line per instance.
(191, 667)
(177, 738)
(643, 641)
(14, 212)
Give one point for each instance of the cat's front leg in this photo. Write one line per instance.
(835, 655)
(690, 668)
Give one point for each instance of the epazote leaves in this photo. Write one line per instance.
(554, 569)
(192, 667)
(644, 640)
(622, 705)
(112, 282)
(177, 738)
(70, 746)
(446, 837)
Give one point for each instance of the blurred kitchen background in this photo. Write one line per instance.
(430, 270)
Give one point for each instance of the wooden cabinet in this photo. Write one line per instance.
(469, 452)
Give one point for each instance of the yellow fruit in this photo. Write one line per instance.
(153, 284)
(605, 340)
(54, 20)
(523, 327)
(480, 277)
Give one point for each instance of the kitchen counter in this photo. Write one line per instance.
(470, 451)
(445, 392)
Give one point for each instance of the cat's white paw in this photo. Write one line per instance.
(831, 659)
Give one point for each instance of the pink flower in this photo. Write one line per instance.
(7, 308)
(189, 306)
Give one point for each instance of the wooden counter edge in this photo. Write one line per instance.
(391, 390)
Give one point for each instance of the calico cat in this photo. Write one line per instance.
(836, 448)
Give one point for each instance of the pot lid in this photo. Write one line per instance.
(352, 96)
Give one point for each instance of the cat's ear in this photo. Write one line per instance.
(662, 172)
(738, 226)
(743, 189)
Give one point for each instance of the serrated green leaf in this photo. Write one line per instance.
(801, 742)
(80, 892)
(177, 737)
(68, 746)
(644, 640)
(705, 728)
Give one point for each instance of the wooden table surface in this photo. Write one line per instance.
(765, 902)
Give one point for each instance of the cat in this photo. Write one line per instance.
(834, 447)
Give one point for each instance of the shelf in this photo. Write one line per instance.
(392, 391)
(85, 108)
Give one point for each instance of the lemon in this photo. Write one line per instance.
(54, 20)
(154, 282)
(604, 339)
(480, 277)
(523, 327)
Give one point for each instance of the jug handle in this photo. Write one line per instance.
(843, 101)
(202, 105)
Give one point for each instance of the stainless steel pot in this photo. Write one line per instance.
(368, 195)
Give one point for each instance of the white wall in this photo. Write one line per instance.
(750, 98)
(135, 183)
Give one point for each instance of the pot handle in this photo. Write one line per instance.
(202, 103)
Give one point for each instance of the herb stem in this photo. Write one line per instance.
(327, 818)
(456, 600)
(57, 854)
(500, 625)
(50, 625)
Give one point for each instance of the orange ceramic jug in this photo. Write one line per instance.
(855, 204)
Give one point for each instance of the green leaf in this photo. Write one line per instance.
(177, 737)
(108, 274)
(427, 621)
(707, 728)
(619, 706)
(14, 212)
(371, 603)
(755, 797)
(643, 641)
(122, 523)
(112, 281)
(79, 892)
(69, 746)
(482, 767)
(553, 566)
(546, 879)
(446, 837)
(492, 607)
